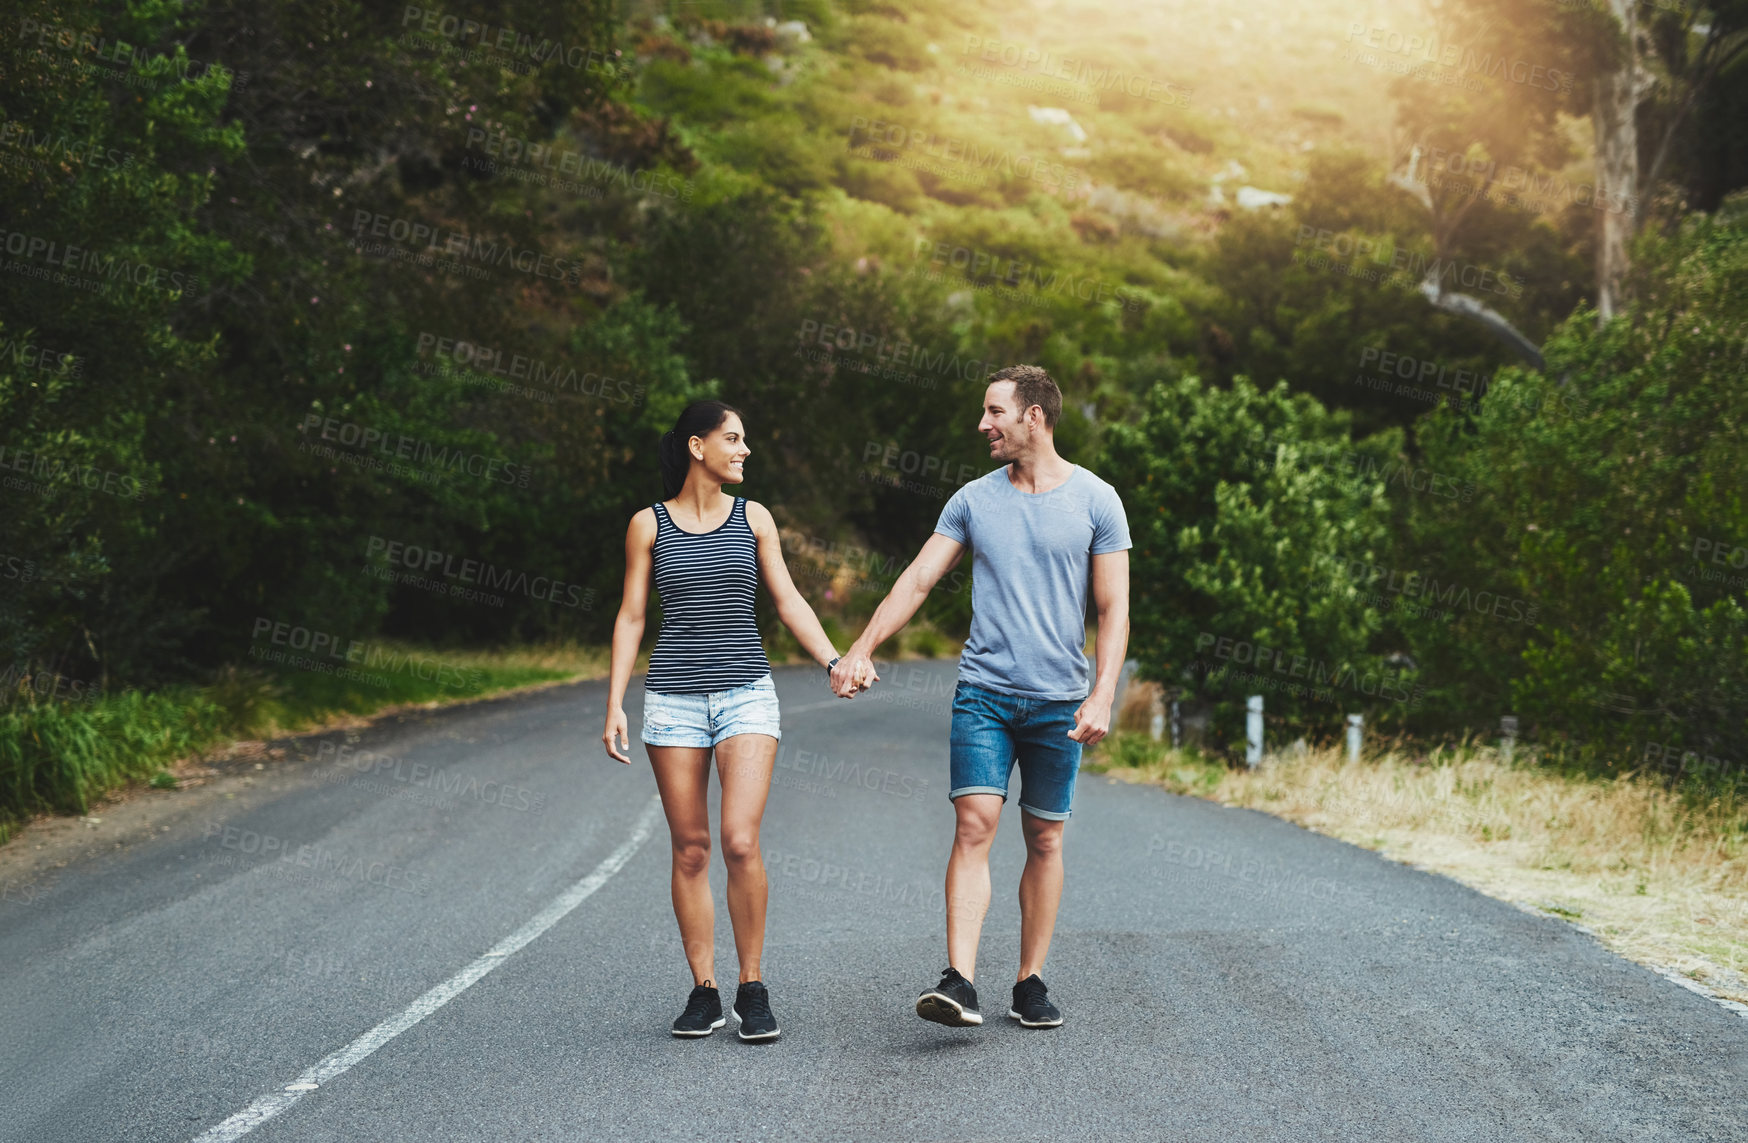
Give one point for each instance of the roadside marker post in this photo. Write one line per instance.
(1253, 731)
(1507, 736)
(1355, 727)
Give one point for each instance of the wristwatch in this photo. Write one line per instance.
(833, 663)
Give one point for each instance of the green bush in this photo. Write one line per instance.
(1250, 511)
(1612, 499)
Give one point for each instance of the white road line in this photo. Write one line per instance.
(271, 1105)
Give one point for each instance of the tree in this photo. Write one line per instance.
(111, 153)
(1323, 290)
(1611, 510)
(1505, 71)
(1256, 521)
(1674, 54)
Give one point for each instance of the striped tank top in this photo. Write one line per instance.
(709, 639)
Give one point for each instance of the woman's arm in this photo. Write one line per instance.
(628, 628)
(792, 607)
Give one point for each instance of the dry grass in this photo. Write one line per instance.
(1660, 879)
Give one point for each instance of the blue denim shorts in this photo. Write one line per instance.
(706, 719)
(991, 731)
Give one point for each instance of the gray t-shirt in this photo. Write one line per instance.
(1030, 576)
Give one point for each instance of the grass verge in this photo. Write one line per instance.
(1659, 876)
(59, 758)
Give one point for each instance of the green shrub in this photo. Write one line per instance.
(1611, 497)
(1249, 511)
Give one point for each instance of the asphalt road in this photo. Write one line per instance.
(1224, 975)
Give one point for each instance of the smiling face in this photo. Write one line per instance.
(724, 452)
(1009, 430)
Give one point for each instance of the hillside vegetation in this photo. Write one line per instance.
(329, 324)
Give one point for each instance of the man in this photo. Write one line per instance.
(1041, 531)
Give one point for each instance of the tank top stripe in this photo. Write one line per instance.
(709, 639)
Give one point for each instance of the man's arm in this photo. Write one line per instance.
(938, 557)
(1110, 591)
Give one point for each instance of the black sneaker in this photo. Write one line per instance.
(752, 1010)
(952, 1002)
(1031, 1007)
(703, 1014)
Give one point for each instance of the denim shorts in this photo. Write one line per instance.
(706, 719)
(991, 731)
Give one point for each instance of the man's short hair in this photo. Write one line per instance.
(1032, 386)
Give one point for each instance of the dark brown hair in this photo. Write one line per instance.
(700, 419)
(1032, 386)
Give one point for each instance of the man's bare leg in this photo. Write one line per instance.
(1040, 891)
(968, 877)
(953, 1002)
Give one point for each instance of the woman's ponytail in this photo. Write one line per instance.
(674, 461)
(699, 419)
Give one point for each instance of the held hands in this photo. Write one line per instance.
(854, 672)
(1092, 721)
(617, 728)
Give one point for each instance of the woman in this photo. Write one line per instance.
(709, 689)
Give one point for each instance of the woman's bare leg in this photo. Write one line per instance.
(744, 764)
(682, 775)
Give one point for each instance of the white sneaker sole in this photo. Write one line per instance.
(1025, 1023)
(940, 1009)
(742, 1032)
(720, 1021)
